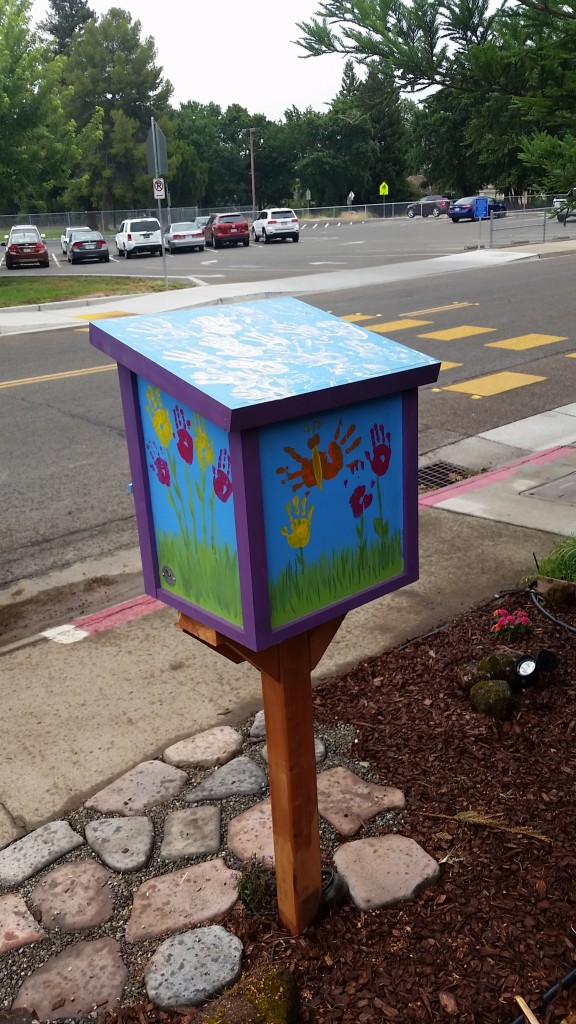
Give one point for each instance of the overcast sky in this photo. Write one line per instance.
(223, 51)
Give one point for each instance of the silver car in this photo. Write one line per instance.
(187, 234)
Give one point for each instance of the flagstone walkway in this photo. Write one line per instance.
(148, 863)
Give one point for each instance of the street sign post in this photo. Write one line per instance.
(156, 147)
(383, 189)
(481, 213)
(350, 198)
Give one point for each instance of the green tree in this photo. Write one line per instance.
(38, 140)
(112, 68)
(64, 19)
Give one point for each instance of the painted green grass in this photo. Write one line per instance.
(207, 576)
(33, 290)
(302, 589)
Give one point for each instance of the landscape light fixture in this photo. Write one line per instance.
(528, 667)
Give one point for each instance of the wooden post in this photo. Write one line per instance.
(286, 672)
(292, 771)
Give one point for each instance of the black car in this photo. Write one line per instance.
(87, 245)
(428, 206)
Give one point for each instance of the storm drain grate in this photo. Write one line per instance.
(441, 474)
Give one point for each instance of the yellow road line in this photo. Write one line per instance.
(571, 355)
(56, 376)
(353, 318)
(441, 309)
(524, 341)
(445, 365)
(397, 325)
(493, 384)
(454, 333)
(101, 316)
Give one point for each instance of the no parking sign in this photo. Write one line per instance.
(159, 188)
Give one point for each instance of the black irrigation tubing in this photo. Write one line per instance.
(551, 994)
(557, 622)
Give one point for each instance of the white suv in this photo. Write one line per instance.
(276, 223)
(143, 234)
(564, 206)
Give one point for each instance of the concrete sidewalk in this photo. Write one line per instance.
(51, 316)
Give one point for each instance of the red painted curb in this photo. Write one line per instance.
(118, 614)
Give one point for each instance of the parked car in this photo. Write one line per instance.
(465, 209)
(564, 205)
(187, 234)
(273, 223)
(143, 234)
(87, 245)
(435, 205)
(202, 221)
(226, 229)
(66, 235)
(24, 246)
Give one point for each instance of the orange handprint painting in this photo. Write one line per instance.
(320, 465)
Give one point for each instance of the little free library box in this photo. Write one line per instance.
(273, 452)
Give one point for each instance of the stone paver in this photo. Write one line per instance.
(17, 926)
(148, 784)
(250, 833)
(240, 777)
(258, 727)
(347, 801)
(181, 900)
(189, 969)
(206, 749)
(74, 896)
(191, 833)
(382, 870)
(319, 750)
(73, 983)
(35, 851)
(124, 844)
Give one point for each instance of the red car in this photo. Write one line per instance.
(25, 245)
(226, 229)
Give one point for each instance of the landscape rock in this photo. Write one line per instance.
(191, 833)
(124, 844)
(17, 926)
(74, 896)
(148, 784)
(383, 870)
(492, 697)
(206, 749)
(189, 969)
(84, 977)
(250, 833)
(35, 851)
(181, 899)
(347, 801)
(240, 777)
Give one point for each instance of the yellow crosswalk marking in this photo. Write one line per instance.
(445, 365)
(65, 375)
(453, 333)
(397, 325)
(441, 309)
(493, 384)
(353, 318)
(571, 355)
(524, 341)
(101, 316)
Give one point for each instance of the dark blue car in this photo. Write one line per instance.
(465, 209)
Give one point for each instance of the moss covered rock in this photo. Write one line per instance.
(492, 697)
(497, 665)
(267, 996)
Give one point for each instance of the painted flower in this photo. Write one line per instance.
(360, 500)
(298, 534)
(184, 440)
(159, 416)
(204, 447)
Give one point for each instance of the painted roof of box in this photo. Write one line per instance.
(251, 353)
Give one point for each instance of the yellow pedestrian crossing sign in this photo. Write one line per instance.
(383, 189)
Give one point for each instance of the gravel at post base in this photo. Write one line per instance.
(502, 919)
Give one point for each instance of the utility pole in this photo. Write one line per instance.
(250, 133)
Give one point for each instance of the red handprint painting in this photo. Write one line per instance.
(221, 476)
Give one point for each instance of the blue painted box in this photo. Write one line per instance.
(273, 451)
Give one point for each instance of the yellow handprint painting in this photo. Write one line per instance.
(159, 415)
(298, 534)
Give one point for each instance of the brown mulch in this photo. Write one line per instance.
(502, 919)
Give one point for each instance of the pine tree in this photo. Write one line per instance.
(65, 18)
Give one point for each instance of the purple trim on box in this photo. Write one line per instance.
(253, 535)
(157, 375)
(243, 487)
(410, 481)
(138, 461)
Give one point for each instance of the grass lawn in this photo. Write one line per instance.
(34, 290)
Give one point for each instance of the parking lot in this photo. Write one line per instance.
(324, 245)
